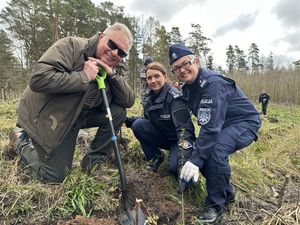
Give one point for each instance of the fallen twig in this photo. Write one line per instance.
(273, 216)
(249, 210)
(241, 188)
(248, 217)
(281, 192)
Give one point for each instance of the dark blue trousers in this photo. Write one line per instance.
(216, 168)
(152, 140)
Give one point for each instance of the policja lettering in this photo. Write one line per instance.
(206, 101)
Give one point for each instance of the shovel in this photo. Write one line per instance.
(129, 217)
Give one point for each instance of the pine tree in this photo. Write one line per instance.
(209, 63)
(197, 42)
(175, 36)
(230, 61)
(10, 68)
(270, 63)
(253, 57)
(240, 59)
(161, 46)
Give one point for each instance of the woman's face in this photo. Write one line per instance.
(155, 79)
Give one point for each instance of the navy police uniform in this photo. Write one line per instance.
(229, 122)
(166, 124)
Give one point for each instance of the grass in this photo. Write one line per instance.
(275, 155)
(256, 169)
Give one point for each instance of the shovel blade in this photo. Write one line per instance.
(133, 217)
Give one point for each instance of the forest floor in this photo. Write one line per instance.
(265, 176)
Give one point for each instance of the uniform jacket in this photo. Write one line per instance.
(168, 111)
(217, 103)
(59, 89)
(264, 98)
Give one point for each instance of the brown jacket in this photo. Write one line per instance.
(58, 88)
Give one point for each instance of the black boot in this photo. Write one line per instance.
(155, 162)
(210, 215)
(13, 137)
(230, 198)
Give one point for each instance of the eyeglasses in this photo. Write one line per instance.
(113, 46)
(184, 65)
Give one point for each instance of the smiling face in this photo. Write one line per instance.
(186, 69)
(111, 47)
(156, 76)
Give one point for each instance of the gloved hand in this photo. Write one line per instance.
(189, 171)
(130, 120)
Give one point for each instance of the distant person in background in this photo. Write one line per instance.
(228, 120)
(264, 98)
(175, 84)
(144, 85)
(166, 123)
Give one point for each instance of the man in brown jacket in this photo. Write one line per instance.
(62, 97)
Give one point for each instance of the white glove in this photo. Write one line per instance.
(189, 170)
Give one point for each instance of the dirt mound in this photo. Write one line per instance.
(156, 200)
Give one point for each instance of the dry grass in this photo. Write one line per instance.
(283, 87)
(259, 174)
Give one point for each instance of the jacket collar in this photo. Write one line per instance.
(196, 82)
(91, 46)
(161, 95)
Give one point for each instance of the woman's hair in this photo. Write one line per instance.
(156, 66)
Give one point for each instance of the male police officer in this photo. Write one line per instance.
(228, 120)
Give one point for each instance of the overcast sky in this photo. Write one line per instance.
(274, 25)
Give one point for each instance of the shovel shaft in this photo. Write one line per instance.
(101, 85)
(117, 153)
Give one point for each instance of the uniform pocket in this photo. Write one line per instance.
(245, 139)
(224, 170)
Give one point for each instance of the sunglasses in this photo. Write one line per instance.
(113, 46)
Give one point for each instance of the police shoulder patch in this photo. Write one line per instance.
(204, 116)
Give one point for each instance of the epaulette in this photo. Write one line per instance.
(175, 92)
(202, 82)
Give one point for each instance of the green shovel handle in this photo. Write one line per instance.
(100, 77)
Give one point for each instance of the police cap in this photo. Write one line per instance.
(176, 51)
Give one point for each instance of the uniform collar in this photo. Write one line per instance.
(160, 96)
(196, 82)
